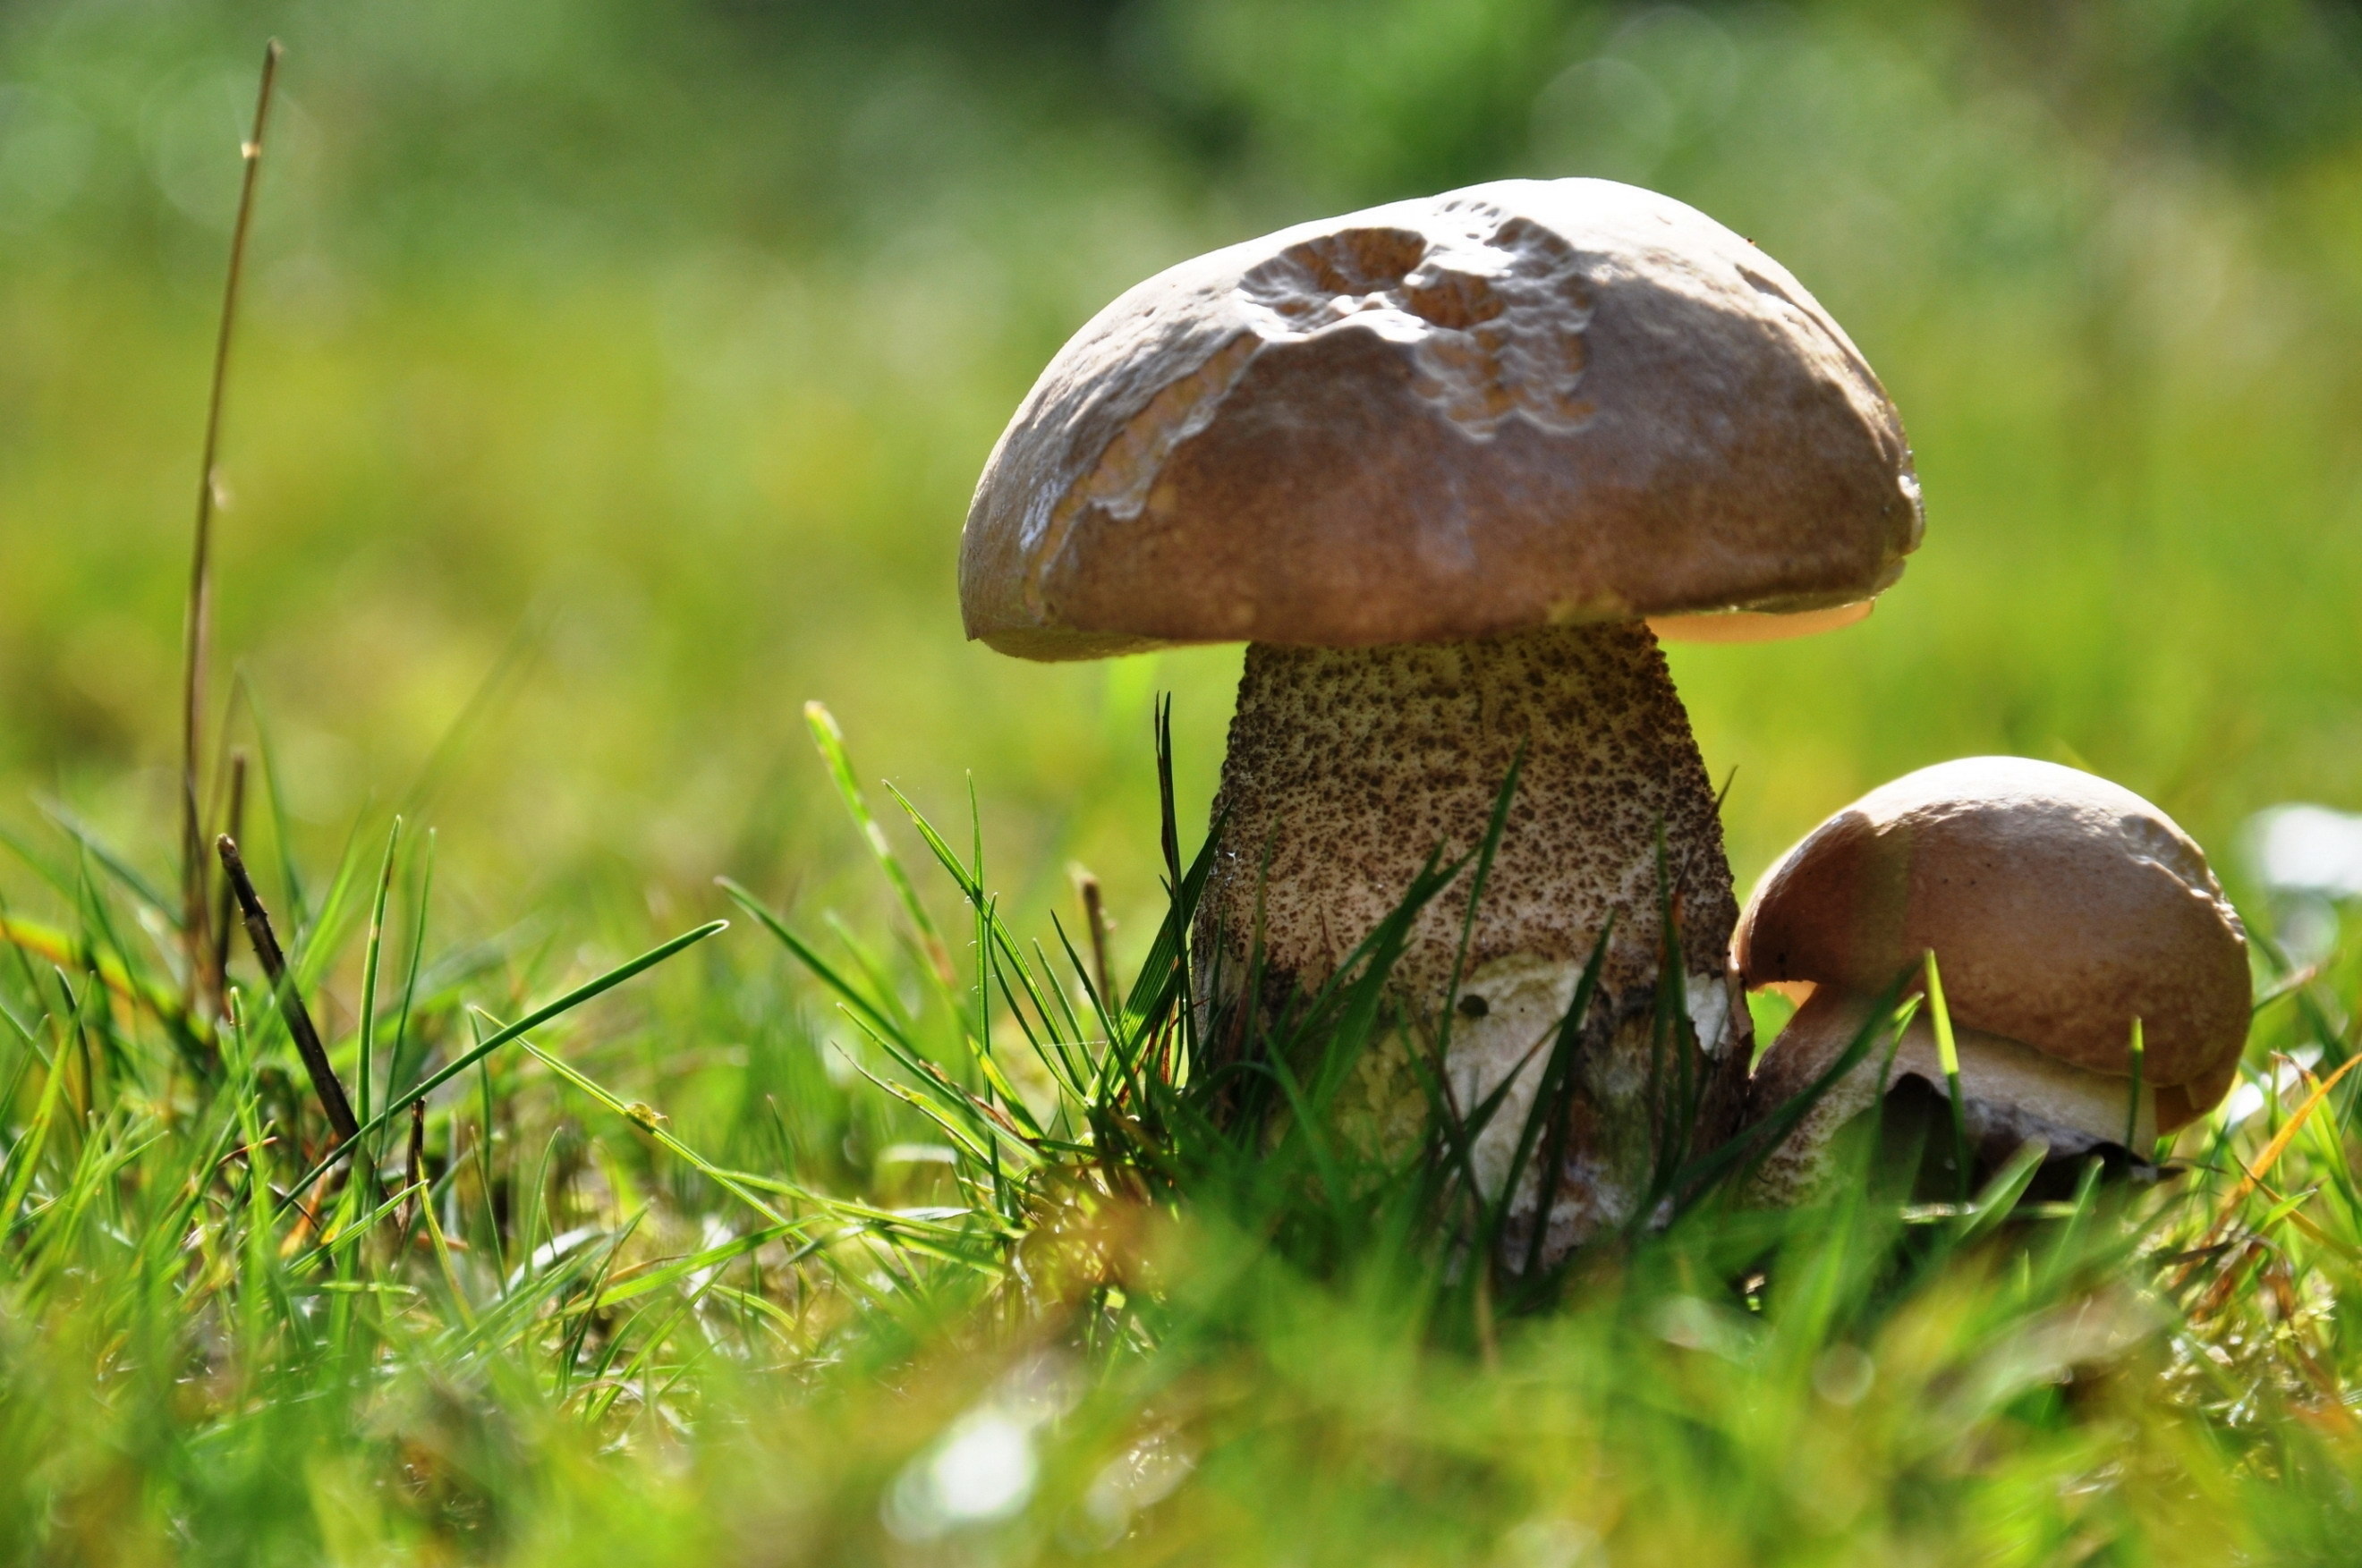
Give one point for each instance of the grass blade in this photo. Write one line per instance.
(416, 1094)
(197, 627)
(371, 950)
(830, 739)
(1948, 1054)
(290, 997)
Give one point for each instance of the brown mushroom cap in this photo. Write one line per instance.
(2060, 906)
(1522, 403)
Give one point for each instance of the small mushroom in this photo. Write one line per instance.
(2060, 909)
(1443, 465)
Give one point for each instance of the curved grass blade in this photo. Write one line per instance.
(1554, 1103)
(830, 739)
(695, 1161)
(396, 1104)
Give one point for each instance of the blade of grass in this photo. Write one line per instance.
(1756, 1144)
(282, 833)
(196, 621)
(1490, 847)
(661, 1272)
(724, 1180)
(2001, 1194)
(1948, 1055)
(2272, 1151)
(1554, 1099)
(87, 839)
(100, 938)
(372, 945)
(225, 917)
(830, 739)
(1184, 898)
(416, 1094)
(410, 979)
(311, 950)
(25, 1152)
(807, 955)
(460, 1302)
(487, 1172)
(291, 999)
(1671, 1031)
(2132, 1098)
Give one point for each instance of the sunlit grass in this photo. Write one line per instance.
(904, 1259)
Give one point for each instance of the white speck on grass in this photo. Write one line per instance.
(917, 1153)
(2288, 1079)
(550, 1251)
(983, 1466)
(2307, 848)
(983, 1469)
(986, 1470)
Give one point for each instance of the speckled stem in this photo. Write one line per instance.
(1348, 766)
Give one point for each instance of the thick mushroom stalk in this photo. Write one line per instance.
(1348, 766)
(1440, 464)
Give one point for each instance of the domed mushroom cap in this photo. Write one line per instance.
(2060, 905)
(1517, 404)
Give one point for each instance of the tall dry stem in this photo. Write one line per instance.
(204, 980)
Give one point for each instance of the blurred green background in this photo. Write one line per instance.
(623, 371)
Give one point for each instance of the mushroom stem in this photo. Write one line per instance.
(1347, 767)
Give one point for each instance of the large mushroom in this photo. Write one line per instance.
(2061, 909)
(1450, 467)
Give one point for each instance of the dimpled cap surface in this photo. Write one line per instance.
(1520, 403)
(2060, 906)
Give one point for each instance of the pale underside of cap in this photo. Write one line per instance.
(2060, 906)
(2069, 1109)
(1518, 404)
(2009, 1093)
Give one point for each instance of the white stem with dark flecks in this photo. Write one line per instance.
(1348, 766)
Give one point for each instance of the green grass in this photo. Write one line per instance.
(998, 1285)
(612, 383)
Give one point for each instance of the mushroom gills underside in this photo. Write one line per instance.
(1349, 767)
(2010, 1094)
